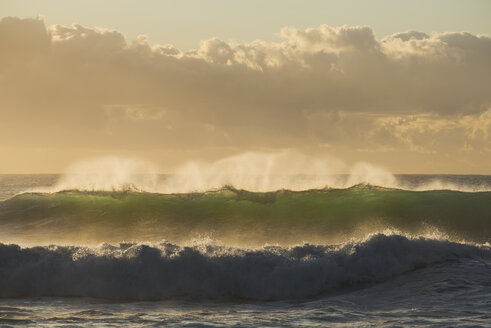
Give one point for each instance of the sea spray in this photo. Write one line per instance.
(108, 173)
(252, 171)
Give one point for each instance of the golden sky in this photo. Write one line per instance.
(410, 101)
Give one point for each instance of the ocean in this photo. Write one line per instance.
(415, 252)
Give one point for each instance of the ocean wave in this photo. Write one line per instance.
(162, 271)
(243, 217)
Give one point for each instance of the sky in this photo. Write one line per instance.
(186, 23)
(405, 85)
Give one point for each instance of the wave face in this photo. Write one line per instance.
(238, 217)
(165, 270)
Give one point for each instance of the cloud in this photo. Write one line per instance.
(326, 87)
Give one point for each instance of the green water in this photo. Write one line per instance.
(238, 216)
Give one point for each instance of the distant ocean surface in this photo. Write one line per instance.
(413, 253)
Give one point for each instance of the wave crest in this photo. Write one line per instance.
(240, 217)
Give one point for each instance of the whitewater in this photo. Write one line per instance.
(361, 249)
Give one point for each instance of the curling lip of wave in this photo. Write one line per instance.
(434, 185)
(165, 270)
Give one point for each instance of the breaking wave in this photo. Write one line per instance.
(165, 270)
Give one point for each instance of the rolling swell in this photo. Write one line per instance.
(163, 271)
(242, 217)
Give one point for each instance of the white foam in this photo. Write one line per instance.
(151, 272)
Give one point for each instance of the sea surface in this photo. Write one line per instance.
(415, 252)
